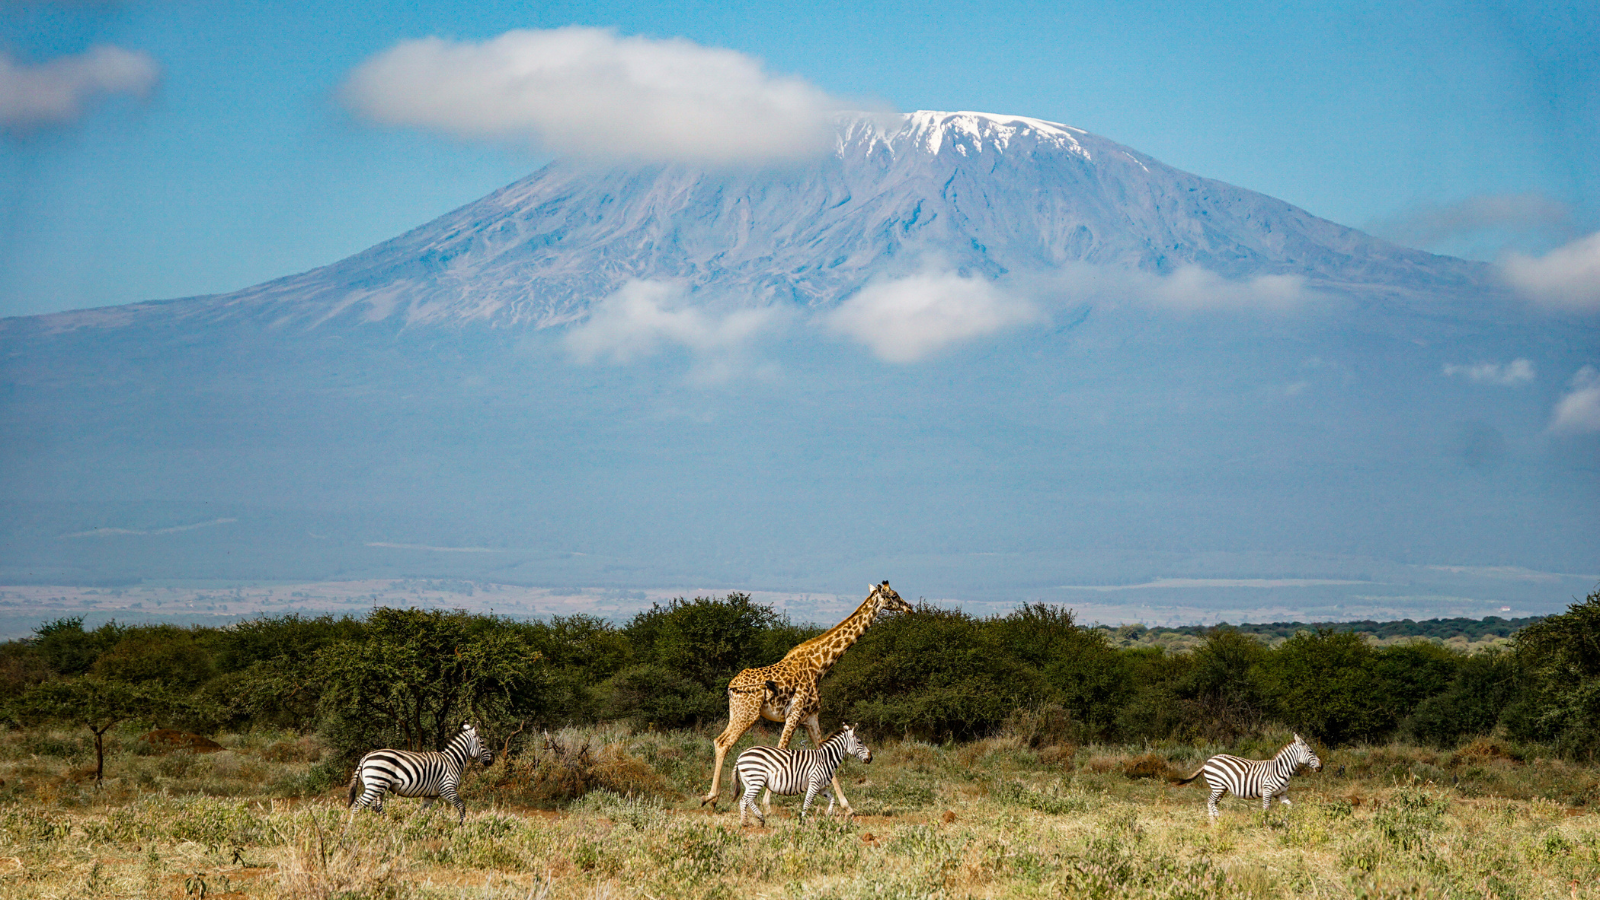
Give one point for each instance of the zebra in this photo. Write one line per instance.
(789, 771)
(412, 774)
(1264, 778)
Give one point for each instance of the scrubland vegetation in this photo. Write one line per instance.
(1015, 756)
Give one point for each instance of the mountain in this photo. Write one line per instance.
(1380, 448)
(984, 193)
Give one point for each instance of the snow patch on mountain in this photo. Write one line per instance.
(984, 195)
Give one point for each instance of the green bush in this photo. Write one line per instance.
(933, 674)
(1470, 705)
(1560, 662)
(1325, 684)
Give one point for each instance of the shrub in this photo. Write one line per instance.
(1560, 660)
(571, 764)
(1471, 704)
(1046, 725)
(1325, 684)
(1224, 682)
(934, 674)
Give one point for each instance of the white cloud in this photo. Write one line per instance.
(1432, 224)
(1512, 374)
(905, 319)
(588, 92)
(1567, 277)
(1578, 411)
(643, 317)
(58, 92)
(1192, 288)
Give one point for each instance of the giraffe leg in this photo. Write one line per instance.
(789, 726)
(743, 710)
(815, 729)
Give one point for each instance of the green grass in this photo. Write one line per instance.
(992, 818)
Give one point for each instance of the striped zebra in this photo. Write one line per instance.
(412, 774)
(788, 771)
(1264, 778)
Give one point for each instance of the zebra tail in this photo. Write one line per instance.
(1191, 777)
(355, 779)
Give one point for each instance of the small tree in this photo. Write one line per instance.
(1224, 684)
(1560, 661)
(1326, 684)
(418, 674)
(94, 703)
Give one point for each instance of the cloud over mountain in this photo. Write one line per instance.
(1567, 277)
(644, 316)
(1512, 374)
(587, 92)
(60, 91)
(1428, 225)
(1578, 410)
(905, 319)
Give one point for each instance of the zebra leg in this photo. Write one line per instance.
(1211, 804)
(829, 794)
(748, 802)
(1266, 800)
(811, 793)
(448, 792)
(428, 803)
(814, 728)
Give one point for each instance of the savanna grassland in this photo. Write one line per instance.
(1019, 755)
(606, 812)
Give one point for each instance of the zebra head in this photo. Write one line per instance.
(1303, 754)
(474, 745)
(853, 744)
(888, 599)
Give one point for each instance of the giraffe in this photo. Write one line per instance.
(786, 691)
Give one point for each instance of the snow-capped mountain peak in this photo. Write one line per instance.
(985, 193)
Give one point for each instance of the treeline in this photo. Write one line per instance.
(407, 678)
(1472, 630)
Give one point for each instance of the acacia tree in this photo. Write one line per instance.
(1560, 659)
(418, 674)
(92, 702)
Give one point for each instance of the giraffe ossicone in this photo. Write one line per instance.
(787, 691)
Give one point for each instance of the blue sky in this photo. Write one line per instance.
(229, 158)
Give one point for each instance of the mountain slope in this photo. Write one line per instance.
(980, 192)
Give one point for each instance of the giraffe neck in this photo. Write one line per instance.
(825, 649)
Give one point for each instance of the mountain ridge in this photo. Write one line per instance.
(974, 192)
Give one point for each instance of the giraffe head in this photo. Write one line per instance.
(887, 599)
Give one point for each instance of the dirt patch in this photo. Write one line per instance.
(166, 740)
